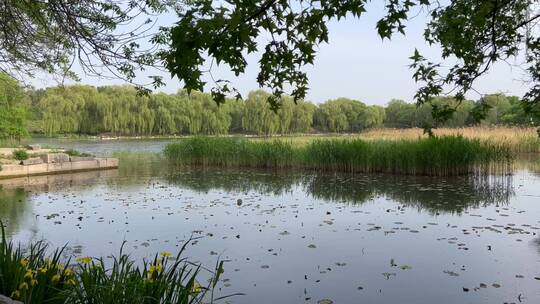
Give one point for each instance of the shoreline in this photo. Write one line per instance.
(17, 170)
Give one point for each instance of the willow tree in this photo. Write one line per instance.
(12, 109)
(302, 120)
(52, 35)
(258, 117)
(330, 117)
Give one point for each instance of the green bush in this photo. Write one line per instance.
(20, 154)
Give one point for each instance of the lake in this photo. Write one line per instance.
(297, 237)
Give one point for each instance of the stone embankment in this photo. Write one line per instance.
(56, 163)
(6, 300)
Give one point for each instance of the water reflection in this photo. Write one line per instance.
(528, 162)
(536, 243)
(14, 208)
(15, 193)
(46, 183)
(435, 195)
(425, 193)
(262, 182)
(136, 167)
(298, 235)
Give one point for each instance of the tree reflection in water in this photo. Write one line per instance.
(426, 193)
(14, 208)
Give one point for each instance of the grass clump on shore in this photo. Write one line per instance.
(20, 154)
(72, 152)
(438, 156)
(31, 276)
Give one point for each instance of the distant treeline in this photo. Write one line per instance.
(119, 110)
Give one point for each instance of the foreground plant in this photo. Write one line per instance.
(32, 277)
(162, 280)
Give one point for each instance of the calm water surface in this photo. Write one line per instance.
(298, 237)
(105, 147)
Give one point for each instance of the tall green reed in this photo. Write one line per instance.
(442, 156)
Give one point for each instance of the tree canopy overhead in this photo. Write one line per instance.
(50, 35)
(102, 37)
(476, 33)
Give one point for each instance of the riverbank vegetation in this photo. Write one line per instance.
(517, 139)
(120, 110)
(436, 156)
(33, 276)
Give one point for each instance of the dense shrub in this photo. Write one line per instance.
(20, 154)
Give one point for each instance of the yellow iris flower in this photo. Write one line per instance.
(165, 254)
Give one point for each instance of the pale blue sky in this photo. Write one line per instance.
(357, 64)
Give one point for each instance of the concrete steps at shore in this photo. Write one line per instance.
(72, 165)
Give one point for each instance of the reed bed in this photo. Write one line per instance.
(438, 156)
(517, 139)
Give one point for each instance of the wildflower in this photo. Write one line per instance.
(29, 275)
(55, 279)
(71, 282)
(48, 261)
(42, 270)
(68, 272)
(197, 288)
(154, 271)
(84, 260)
(156, 268)
(24, 262)
(15, 295)
(165, 254)
(33, 282)
(23, 286)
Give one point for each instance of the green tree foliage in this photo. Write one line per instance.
(517, 115)
(498, 106)
(121, 110)
(474, 34)
(331, 118)
(259, 118)
(400, 114)
(12, 109)
(104, 37)
(347, 115)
